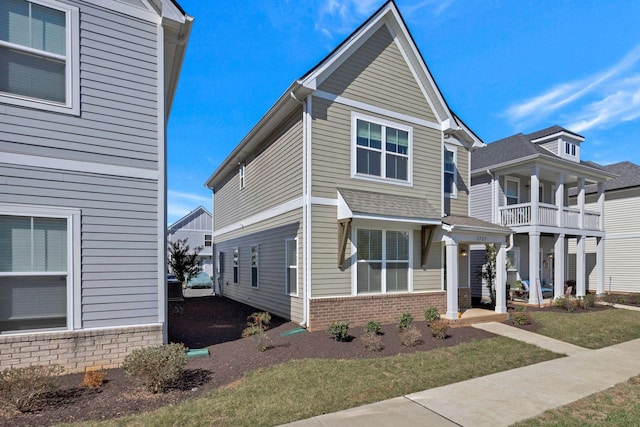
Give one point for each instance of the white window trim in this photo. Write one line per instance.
(517, 181)
(287, 267)
(355, 116)
(257, 266)
(235, 259)
(210, 240)
(72, 65)
(383, 285)
(74, 306)
(454, 150)
(242, 175)
(516, 251)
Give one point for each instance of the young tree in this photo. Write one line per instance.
(488, 271)
(183, 263)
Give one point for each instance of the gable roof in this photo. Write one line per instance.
(301, 88)
(185, 219)
(519, 147)
(628, 177)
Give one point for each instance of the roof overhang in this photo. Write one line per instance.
(560, 134)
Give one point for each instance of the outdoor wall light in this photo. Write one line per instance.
(463, 252)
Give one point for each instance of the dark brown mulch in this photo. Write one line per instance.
(215, 323)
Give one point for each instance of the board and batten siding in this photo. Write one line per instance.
(273, 176)
(377, 74)
(118, 122)
(270, 236)
(481, 197)
(119, 237)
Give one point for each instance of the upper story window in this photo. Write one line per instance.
(450, 184)
(241, 175)
(512, 191)
(570, 149)
(39, 48)
(207, 240)
(381, 150)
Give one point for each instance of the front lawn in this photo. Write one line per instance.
(590, 329)
(617, 406)
(304, 388)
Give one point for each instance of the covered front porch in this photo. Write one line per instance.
(459, 233)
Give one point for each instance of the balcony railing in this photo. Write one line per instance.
(520, 215)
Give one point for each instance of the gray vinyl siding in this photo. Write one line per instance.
(481, 197)
(270, 236)
(378, 74)
(552, 146)
(430, 277)
(459, 205)
(331, 157)
(118, 119)
(119, 238)
(273, 176)
(194, 227)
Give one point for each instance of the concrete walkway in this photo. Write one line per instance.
(503, 398)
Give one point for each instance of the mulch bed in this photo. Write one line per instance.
(215, 323)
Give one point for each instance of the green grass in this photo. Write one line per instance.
(305, 388)
(617, 406)
(590, 329)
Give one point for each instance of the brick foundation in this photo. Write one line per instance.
(359, 310)
(76, 350)
(464, 298)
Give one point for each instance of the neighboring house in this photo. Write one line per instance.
(85, 92)
(523, 182)
(331, 208)
(195, 226)
(622, 222)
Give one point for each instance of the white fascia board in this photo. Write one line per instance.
(561, 134)
(127, 9)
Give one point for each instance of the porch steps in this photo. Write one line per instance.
(478, 315)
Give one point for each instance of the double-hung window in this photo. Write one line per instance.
(449, 172)
(236, 265)
(35, 272)
(291, 257)
(254, 266)
(207, 240)
(512, 191)
(39, 51)
(570, 149)
(383, 261)
(381, 149)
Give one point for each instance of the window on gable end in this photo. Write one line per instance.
(449, 168)
(241, 172)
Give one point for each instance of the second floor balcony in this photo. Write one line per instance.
(521, 214)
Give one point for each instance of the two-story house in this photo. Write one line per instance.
(196, 227)
(86, 87)
(523, 182)
(333, 206)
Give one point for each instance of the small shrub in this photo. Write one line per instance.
(372, 341)
(431, 314)
(21, 387)
(588, 301)
(93, 377)
(521, 317)
(439, 329)
(405, 321)
(157, 368)
(257, 324)
(373, 327)
(339, 331)
(410, 336)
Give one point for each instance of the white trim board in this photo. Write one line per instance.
(289, 206)
(78, 166)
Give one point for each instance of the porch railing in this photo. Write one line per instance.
(571, 217)
(591, 220)
(514, 215)
(520, 215)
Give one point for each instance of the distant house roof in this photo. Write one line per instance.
(188, 217)
(628, 177)
(519, 146)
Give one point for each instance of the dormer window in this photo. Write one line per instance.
(570, 149)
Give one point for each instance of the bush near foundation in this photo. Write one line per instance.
(339, 331)
(439, 329)
(156, 368)
(431, 314)
(406, 319)
(373, 327)
(410, 336)
(21, 387)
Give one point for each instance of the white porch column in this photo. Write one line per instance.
(559, 198)
(535, 194)
(495, 209)
(581, 266)
(452, 278)
(534, 266)
(601, 204)
(600, 264)
(501, 279)
(581, 202)
(558, 267)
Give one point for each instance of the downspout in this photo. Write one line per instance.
(306, 209)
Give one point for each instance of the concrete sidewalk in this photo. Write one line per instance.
(503, 398)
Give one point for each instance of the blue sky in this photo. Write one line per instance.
(503, 66)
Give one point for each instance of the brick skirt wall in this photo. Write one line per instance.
(386, 308)
(75, 350)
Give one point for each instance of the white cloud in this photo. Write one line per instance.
(612, 97)
(180, 203)
(340, 17)
(437, 6)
